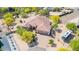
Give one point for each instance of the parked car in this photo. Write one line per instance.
(66, 34)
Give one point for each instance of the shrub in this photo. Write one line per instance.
(43, 12)
(8, 15)
(27, 10)
(74, 44)
(72, 26)
(26, 35)
(9, 21)
(54, 26)
(51, 41)
(55, 18)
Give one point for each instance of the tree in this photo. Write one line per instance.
(27, 10)
(54, 26)
(75, 44)
(63, 49)
(51, 42)
(26, 35)
(17, 10)
(24, 15)
(55, 18)
(72, 26)
(57, 9)
(3, 10)
(8, 21)
(43, 12)
(20, 30)
(35, 9)
(8, 15)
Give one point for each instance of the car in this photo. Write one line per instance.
(66, 34)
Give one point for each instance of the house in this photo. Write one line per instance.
(76, 21)
(40, 24)
(64, 11)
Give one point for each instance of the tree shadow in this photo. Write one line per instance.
(54, 45)
(59, 30)
(13, 24)
(67, 40)
(33, 43)
(52, 33)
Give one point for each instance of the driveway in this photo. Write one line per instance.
(43, 41)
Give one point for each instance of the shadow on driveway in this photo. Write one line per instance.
(67, 40)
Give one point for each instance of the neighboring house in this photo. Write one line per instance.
(40, 24)
(63, 12)
(76, 21)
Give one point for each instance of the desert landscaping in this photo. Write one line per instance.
(39, 29)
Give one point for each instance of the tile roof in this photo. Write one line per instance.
(42, 23)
